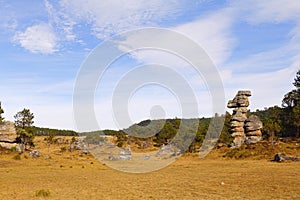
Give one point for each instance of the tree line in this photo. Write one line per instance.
(278, 121)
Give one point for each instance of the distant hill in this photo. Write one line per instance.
(159, 132)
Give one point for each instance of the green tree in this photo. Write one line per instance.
(1, 112)
(23, 123)
(291, 102)
(225, 136)
(272, 127)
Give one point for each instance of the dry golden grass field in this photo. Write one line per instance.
(72, 176)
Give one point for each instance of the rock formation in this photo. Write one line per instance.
(35, 154)
(253, 127)
(280, 158)
(8, 136)
(243, 129)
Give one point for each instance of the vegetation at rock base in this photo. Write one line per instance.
(1, 112)
(42, 193)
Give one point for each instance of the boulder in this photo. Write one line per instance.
(280, 158)
(10, 146)
(238, 141)
(252, 139)
(237, 129)
(242, 101)
(168, 151)
(240, 109)
(125, 154)
(236, 124)
(232, 104)
(254, 133)
(238, 133)
(239, 116)
(244, 93)
(253, 123)
(35, 154)
(8, 132)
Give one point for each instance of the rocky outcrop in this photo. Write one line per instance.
(125, 154)
(8, 136)
(8, 132)
(35, 154)
(281, 158)
(239, 116)
(253, 127)
(243, 129)
(79, 144)
(168, 151)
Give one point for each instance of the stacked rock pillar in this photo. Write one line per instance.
(239, 116)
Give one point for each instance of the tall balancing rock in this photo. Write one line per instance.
(243, 129)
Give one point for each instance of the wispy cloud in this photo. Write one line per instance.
(110, 17)
(269, 72)
(61, 21)
(8, 20)
(37, 39)
(76, 25)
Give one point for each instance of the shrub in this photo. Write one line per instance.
(63, 149)
(13, 149)
(241, 152)
(42, 193)
(17, 157)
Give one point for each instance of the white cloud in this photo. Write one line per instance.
(212, 33)
(8, 19)
(38, 39)
(110, 17)
(275, 11)
(61, 21)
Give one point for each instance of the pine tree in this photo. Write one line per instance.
(291, 102)
(23, 123)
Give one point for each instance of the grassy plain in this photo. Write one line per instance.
(69, 175)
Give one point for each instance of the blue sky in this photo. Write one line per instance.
(254, 45)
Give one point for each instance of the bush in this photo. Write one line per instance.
(42, 193)
(13, 149)
(63, 149)
(17, 157)
(241, 152)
